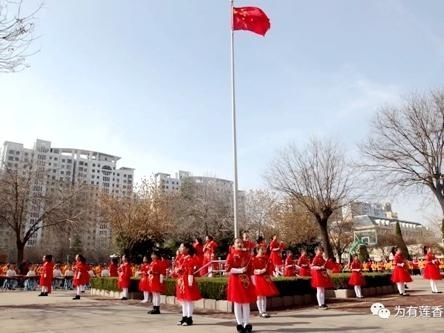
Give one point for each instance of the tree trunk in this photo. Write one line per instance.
(20, 251)
(442, 230)
(325, 238)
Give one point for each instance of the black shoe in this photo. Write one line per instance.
(45, 294)
(406, 287)
(124, 299)
(155, 310)
(188, 321)
(248, 328)
(323, 307)
(76, 297)
(41, 294)
(240, 329)
(183, 320)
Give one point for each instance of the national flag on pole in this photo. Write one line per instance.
(250, 18)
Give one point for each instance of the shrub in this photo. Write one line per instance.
(215, 288)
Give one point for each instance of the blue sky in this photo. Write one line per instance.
(149, 80)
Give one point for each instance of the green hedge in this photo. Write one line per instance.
(215, 288)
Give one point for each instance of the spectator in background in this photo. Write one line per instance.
(57, 275)
(30, 281)
(11, 273)
(105, 272)
(69, 274)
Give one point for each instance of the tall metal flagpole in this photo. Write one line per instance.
(233, 110)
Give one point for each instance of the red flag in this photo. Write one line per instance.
(250, 18)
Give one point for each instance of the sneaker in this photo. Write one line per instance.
(183, 320)
(265, 315)
(323, 307)
(187, 322)
(144, 301)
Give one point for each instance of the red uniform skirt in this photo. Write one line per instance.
(320, 279)
(154, 284)
(400, 275)
(186, 293)
(431, 272)
(264, 286)
(356, 279)
(276, 258)
(83, 280)
(240, 289)
(289, 271)
(46, 282)
(303, 271)
(144, 284)
(123, 283)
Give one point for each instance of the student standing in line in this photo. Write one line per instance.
(240, 288)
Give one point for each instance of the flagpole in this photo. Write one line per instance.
(233, 111)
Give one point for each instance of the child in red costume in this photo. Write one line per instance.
(319, 277)
(81, 275)
(290, 265)
(187, 290)
(264, 286)
(125, 273)
(240, 289)
(304, 264)
(276, 249)
(400, 273)
(156, 275)
(356, 278)
(46, 275)
(143, 283)
(209, 250)
(431, 270)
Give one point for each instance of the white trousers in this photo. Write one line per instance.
(125, 292)
(156, 301)
(242, 313)
(401, 287)
(358, 291)
(78, 290)
(187, 308)
(261, 303)
(320, 295)
(434, 286)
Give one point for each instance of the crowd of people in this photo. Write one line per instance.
(249, 265)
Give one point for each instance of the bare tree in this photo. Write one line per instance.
(16, 35)
(27, 207)
(341, 234)
(317, 178)
(204, 209)
(406, 147)
(293, 223)
(259, 208)
(147, 215)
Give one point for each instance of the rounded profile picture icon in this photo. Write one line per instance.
(376, 307)
(384, 313)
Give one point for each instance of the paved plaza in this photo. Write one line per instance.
(25, 312)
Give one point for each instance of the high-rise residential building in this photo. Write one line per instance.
(168, 183)
(76, 166)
